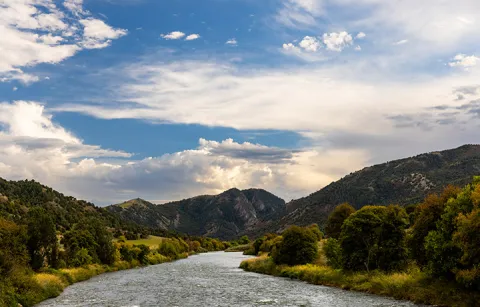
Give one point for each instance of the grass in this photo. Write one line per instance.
(412, 285)
(238, 248)
(152, 242)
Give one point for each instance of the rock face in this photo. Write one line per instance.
(405, 181)
(226, 216)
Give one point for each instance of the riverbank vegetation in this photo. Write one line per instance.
(428, 253)
(49, 241)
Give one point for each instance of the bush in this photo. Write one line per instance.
(336, 219)
(299, 246)
(374, 238)
(333, 252)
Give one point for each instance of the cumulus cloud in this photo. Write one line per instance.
(173, 35)
(33, 146)
(310, 43)
(464, 61)
(35, 32)
(232, 42)
(337, 41)
(192, 37)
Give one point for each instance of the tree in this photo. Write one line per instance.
(244, 240)
(442, 254)
(373, 238)
(333, 252)
(42, 238)
(336, 219)
(316, 231)
(427, 216)
(299, 246)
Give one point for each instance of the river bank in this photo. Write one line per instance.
(210, 279)
(412, 285)
(51, 282)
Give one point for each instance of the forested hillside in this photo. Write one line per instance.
(403, 182)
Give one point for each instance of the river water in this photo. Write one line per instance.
(212, 279)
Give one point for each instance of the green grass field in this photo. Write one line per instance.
(151, 241)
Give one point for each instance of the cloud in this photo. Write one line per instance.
(464, 61)
(310, 43)
(401, 42)
(337, 41)
(97, 34)
(299, 13)
(173, 35)
(232, 42)
(361, 35)
(192, 37)
(35, 32)
(32, 146)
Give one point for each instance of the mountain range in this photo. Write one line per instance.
(253, 212)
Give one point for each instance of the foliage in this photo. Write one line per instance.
(42, 239)
(336, 219)
(299, 246)
(333, 252)
(316, 231)
(373, 238)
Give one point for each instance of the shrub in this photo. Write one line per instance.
(333, 252)
(374, 238)
(336, 219)
(299, 246)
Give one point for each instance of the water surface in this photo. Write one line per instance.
(212, 279)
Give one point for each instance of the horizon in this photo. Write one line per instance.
(107, 100)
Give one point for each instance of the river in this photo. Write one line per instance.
(212, 279)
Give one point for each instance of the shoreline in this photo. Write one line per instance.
(54, 282)
(413, 285)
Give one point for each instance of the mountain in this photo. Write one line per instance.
(17, 197)
(405, 181)
(226, 216)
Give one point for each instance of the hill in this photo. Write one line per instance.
(226, 216)
(18, 197)
(405, 181)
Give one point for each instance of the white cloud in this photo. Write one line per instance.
(232, 42)
(15, 88)
(464, 61)
(299, 13)
(310, 43)
(173, 35)
(401, 42)
(337, 41)
(97, 34)
(289, 46)
(192, 37)
(358, 48)
(75, 6)
(35, 32)
(361, 35)
(32, 146)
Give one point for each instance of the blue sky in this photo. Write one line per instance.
(110, 100)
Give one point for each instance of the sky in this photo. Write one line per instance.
(108, 100)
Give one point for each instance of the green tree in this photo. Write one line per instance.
(427, 215)
(299, 246)
(442, 254)
(316, 231)
(42, 238)
(373, 238)
(243, 240)
(336, 219)
(333, 252)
